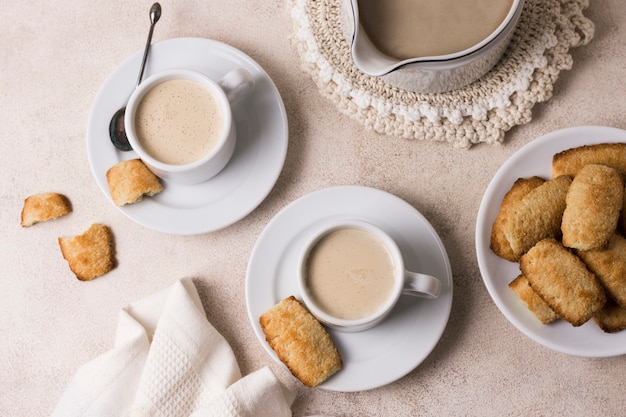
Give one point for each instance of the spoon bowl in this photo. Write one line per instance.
(117, 132)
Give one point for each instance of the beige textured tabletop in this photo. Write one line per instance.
(55, 56)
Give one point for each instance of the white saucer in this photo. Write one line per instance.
(536, 159)
(261, 149)
(389, 351)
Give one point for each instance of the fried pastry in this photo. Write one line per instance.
(300, 342)
(44, 206)
(611, 318)
(571, 161)
(499, 243)
(130, 180)
(537, 216)
(89, 255)
(563, 281)
(533, 302)
(593, 205)
(609, 266)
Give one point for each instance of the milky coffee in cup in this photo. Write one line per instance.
(179, 121)
(350, 273)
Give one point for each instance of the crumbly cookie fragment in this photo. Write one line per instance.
(91, 254)
(300, 342)
(44, 206)
(130, 180)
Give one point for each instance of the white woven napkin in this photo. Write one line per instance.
(168, 360)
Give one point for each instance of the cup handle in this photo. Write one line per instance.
(235, 83)
(421, 285)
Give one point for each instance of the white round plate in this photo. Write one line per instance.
(258, 159)
(389, 351)
(536, 159)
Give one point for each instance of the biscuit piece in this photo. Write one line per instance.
(609, 266)
(621, 223)
(593, 205)
(130, 180)
(300, 342)
(611, 318)
(533, 302)
(563, 281)
(45, 206)
(537, 216)
(499, 243)
(571, 161)
(89, 255)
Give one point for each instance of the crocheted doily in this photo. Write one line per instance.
(481, 112)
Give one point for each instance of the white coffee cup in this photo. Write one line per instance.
(327, 275)
(154, 149)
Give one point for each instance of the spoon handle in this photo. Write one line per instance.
(155, 15)
(145, 55)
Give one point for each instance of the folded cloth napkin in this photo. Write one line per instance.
(168, 360)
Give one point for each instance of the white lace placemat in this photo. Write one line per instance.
(479, 113)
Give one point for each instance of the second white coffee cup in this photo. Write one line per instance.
(180, 124)
(351, 274)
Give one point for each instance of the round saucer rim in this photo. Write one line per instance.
(150, 214)
(442, 306)
(535, 158)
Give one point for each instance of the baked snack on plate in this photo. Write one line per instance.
(593, 205)
(532, 300)
(537, 216)
(611, 318)
(570, 161)
(621, 222)
(563, 281)
(609, 266)
(130, 180)
(499, 242)
(300, 341)
(89, 255)
(44, 206)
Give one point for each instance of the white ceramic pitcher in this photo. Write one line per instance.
(431, 74)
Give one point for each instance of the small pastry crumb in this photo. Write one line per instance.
(43, 207)
(89, 255)
(130, 180)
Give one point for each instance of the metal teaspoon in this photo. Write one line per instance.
(116, 127)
